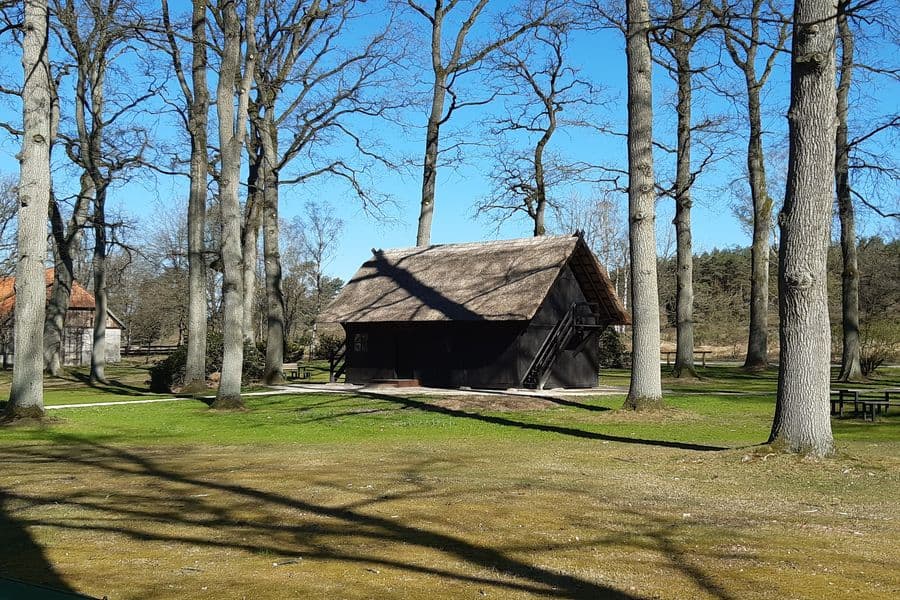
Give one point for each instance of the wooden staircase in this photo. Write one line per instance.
(337, 363)
(578, 323)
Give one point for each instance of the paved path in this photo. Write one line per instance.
(349, 388)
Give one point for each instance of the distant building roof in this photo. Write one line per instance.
(81, 299)
(484, 281)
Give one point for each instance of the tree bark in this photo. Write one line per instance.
(65, 242)
(850, 366)
(684, 271)
(540, 201)
(250, 245)
(271, 252)
(802, 421)
(198, 120)
(232, 128)
(645, 390)
(432, 139)
(101, 299)
(758, 342)
(26, 396)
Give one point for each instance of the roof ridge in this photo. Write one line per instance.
(485, 243)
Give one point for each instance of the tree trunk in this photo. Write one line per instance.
(26, 396)
(65, 244)
(232, 128)
(250, 245)
(540, 184)
(758, 342)
(274, 293)
(850, 367)
(272, 255)
(429, 171)
(645, 390)
(101, 302)
(198, 118)
(802, 421)
(684, 272)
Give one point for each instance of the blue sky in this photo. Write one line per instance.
(600, 56)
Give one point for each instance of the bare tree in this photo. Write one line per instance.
(26, 396)
(603, 221)
(802, 422)
(861, 173)
(196, 98)
(9, 209)
(317, 234)
(95, 34)
(683, 28)
(464, 57)
(541, 88)
(315, 89)
(747, 33)
(850, 366)
(236, 72)
(645, 390)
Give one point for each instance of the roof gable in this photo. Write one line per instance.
(487, 281)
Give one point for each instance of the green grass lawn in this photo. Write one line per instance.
(372, 496)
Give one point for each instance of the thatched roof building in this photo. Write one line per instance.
(478, 314)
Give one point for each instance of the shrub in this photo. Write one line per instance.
(329, 346)
(612, 350)
(168, 374)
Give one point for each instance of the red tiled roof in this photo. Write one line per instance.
(80, 298)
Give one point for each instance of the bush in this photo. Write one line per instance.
(329, 345)
(612, 350)
(168, 374)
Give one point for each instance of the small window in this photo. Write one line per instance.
(361, 342)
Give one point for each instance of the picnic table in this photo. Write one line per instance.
(295, 371)
(670, 353)
(870, 405)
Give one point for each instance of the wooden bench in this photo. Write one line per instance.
(887, 398)
(871, 405)
(841, 396)
(670, 353)
(295, 371)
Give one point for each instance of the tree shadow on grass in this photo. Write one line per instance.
(113, 386)
(546, 427)
(150, 517)
(25, 559)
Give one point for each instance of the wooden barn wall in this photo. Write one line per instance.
(443, 354)
(571, 369)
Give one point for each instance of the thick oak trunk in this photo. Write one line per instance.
(274, 293)
(802, 421)
(850, 366)
(275, 309)
(26, 396)
(232, 128)
(645, 390)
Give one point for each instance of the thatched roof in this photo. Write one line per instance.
(485, 281)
